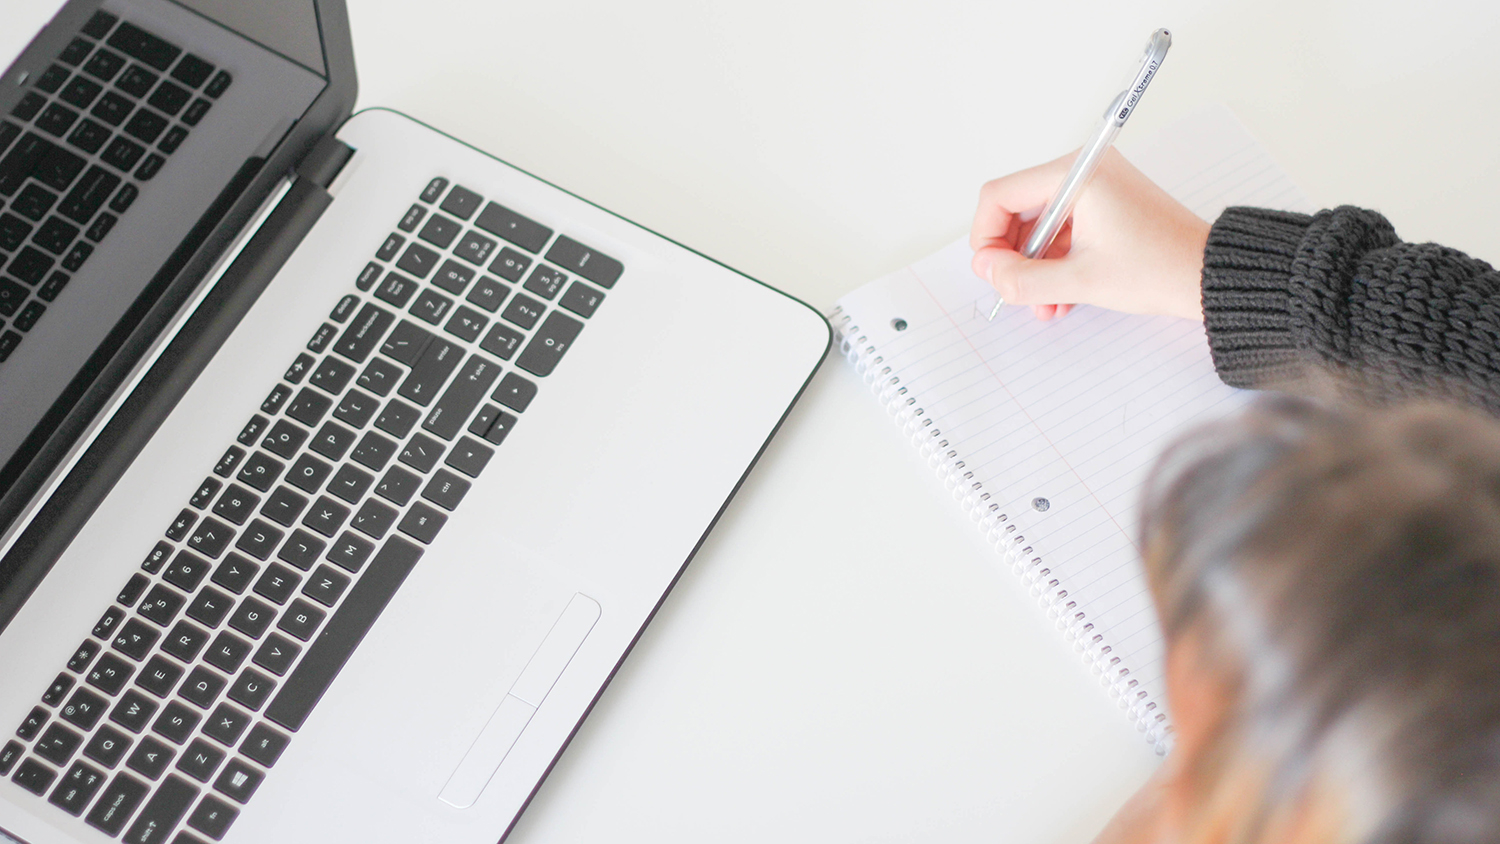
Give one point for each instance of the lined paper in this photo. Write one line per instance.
(1074, 411)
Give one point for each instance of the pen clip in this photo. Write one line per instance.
(1156, 51)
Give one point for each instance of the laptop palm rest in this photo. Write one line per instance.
(515, 710)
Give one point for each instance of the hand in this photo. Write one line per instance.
(1144, 819)
(1129, 246)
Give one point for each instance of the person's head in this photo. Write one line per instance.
(1329, 585)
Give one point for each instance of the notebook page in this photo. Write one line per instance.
(1055, 425)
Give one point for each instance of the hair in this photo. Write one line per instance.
(1335, 572)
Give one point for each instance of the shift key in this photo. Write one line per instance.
(457, 404)
(430, 371)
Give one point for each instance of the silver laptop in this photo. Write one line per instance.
(341, 463)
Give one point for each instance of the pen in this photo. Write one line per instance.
(1120, 108)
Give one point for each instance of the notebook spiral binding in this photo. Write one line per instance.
(1149, 716)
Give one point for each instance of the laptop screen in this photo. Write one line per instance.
(126, 130)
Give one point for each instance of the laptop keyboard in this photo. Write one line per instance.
(98, 122)
(183, 696)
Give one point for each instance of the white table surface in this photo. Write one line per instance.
(844, 661)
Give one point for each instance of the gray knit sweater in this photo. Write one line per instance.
(1287, 295)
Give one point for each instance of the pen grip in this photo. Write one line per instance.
(1057, 211)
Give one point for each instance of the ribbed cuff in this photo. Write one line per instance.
(1247, 267)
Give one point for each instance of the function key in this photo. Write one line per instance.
(430, 193)
(412, 217)
(51, 79)
(29, 105)
(133, 590)
(75, 52)
(594, 266)
(322, 337)
(59, 689)
(140, 44)
(99, 25)
(192, 71)
(83, 656)
(219, 84)
(462, 202)
(522, 231)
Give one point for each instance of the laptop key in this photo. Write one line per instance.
(210, 538)
(201, 760)
(14, 750)
(581, 299)
(278, 583)
(33, 724)
(466, 324)
(440, 231)
(522, 231)
(275, 399)
(109, 675)
(236, 504)
(407, 343)
(433, 190)
(418, 260)
(421, 453)
(523, 311)
(159, 677)
(374, 519)
(298, 370)
(284, 506)
(284, 439)
(350, 551)
(219, 84)
(308, 473)
(230, 461)
(356, 408)
(396, 289)
(453, 277)
(140, 44)
(301, 550)
(259, 539)
(184, 642)
(276, 655)
(361, 336)
(301, 619)
(250, 690)
(212, 818)
(380, 377)
(546, 348)
(515, 392)
(264, 745)
(446, 489)
(209, 607)
(201, 687)
(227, 653)
(83, 709)
(500, 428)
(150, 758)
(178, 530)
(206, 491)
(373, 451)
(422, 523)
(107, 747)
(489, 294)
(333, 442)
(162, 812)
(398, 486)
(391, 247)
(134, 711)
(326, 516)
(77, 788)
(322, 337)
(545, 281)
(136, 81)
(58, 690)
(510, 264)
(502, 341)
(470, 456)
(308, 407)
(368, 276)
(252, 617)
(81, 658)
(474, 248)
(431, 307)
(57, 744)
(108, 622)
(350, 483)
(461, 202)
(34, 777)
(239, 781)
(116, 804)
(186, 571)
(429, 372)
(411, 218)
(325, 585)
(594, 266)
(226, 725)
(448, 416)
(135, 639)
(195, 112)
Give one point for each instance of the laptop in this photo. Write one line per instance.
(341, 463)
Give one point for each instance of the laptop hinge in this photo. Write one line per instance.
(325, 161)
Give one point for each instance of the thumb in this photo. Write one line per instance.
(1031, 281)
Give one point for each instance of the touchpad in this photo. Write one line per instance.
(515, 709)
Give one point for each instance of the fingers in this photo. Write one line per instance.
(1002, 200)
(1024, 281)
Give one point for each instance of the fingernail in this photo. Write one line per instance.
(984, 266)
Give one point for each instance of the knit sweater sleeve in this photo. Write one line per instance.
(1289, 296)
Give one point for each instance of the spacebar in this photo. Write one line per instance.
(348, 626)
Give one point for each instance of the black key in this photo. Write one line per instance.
(162, 812)
(99, 25)
(406, 343)
(58, 168)
(150, 758)
(195, 112)
(433, 190)
(186, 571)
(89, 136)
(169, 98)
(234, 573)
(422, 522)
(55, 235)
(11, 297)
(502, 426)
(33, 202)
(484, 419)
(172, 139)
(515, 392)
(461, 202)
(350, 551)
(440, 231)
(79, 92)
(326, 516)
(448, 416)
(510, 265)
(356, 408)
(283, 440)
(322, 337)
(212, 818)
(151, 166)
(380, 376)
(466, 324)
(57, 744)
(184, 641)
(77, 788)
(252, 617)
(398, 486)
(259, 539)
(112, 109)
(236, 504)
(201, 760)
(470, 456)
(278, 583)
(51, 79)
(276, 398)
(302, 549)
(474, 248)
(82, 657)
(277, 654)
(135, 639)
(22, 160)
(239, 781)
(107, 623)
(298, 370)
(373, 451)
(453, 277)
(396, 289)
(308, 407)
(301, 619)
(84, 709)
(8, 343)
(109, 675)
(56, 119)
(344, 308)
(581, 299)
(13, 751)
(446, 489)
(29, 105)
(146, 125)
(390, 247)
(219, 84)
(33, 724)
(58, 690)
(226, 725)
(34, 777)
(117, 803)
(594, 266)
(201, 687)
(488, 294)
(30, 265)
(53, 286)
(411, 218)
(210, 487)
(333, 441)
(176, 722)
(545, 281)
(231, 460)
(522, 231)
(140, 44)
(210, 606)
(323, 660)
(103, 64)
(431, 307)
(136, 81)
(546, 348)
(159, 677)
(211, 537)
(133, 589)
(192, 71)
(360, 337)
(374, 519)
(308, 473)
(332, 375)
(160, 605)
(325, 585)
(227, 653)
(251, 689)
(368, 276)
(430, 371)
(418, 260)
(107, 747)
(181, 525)
(523, 311)
(350, 483)
(421, 453)
(264, 745)
(122, 153)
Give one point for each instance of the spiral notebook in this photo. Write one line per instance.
(1045, 432)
